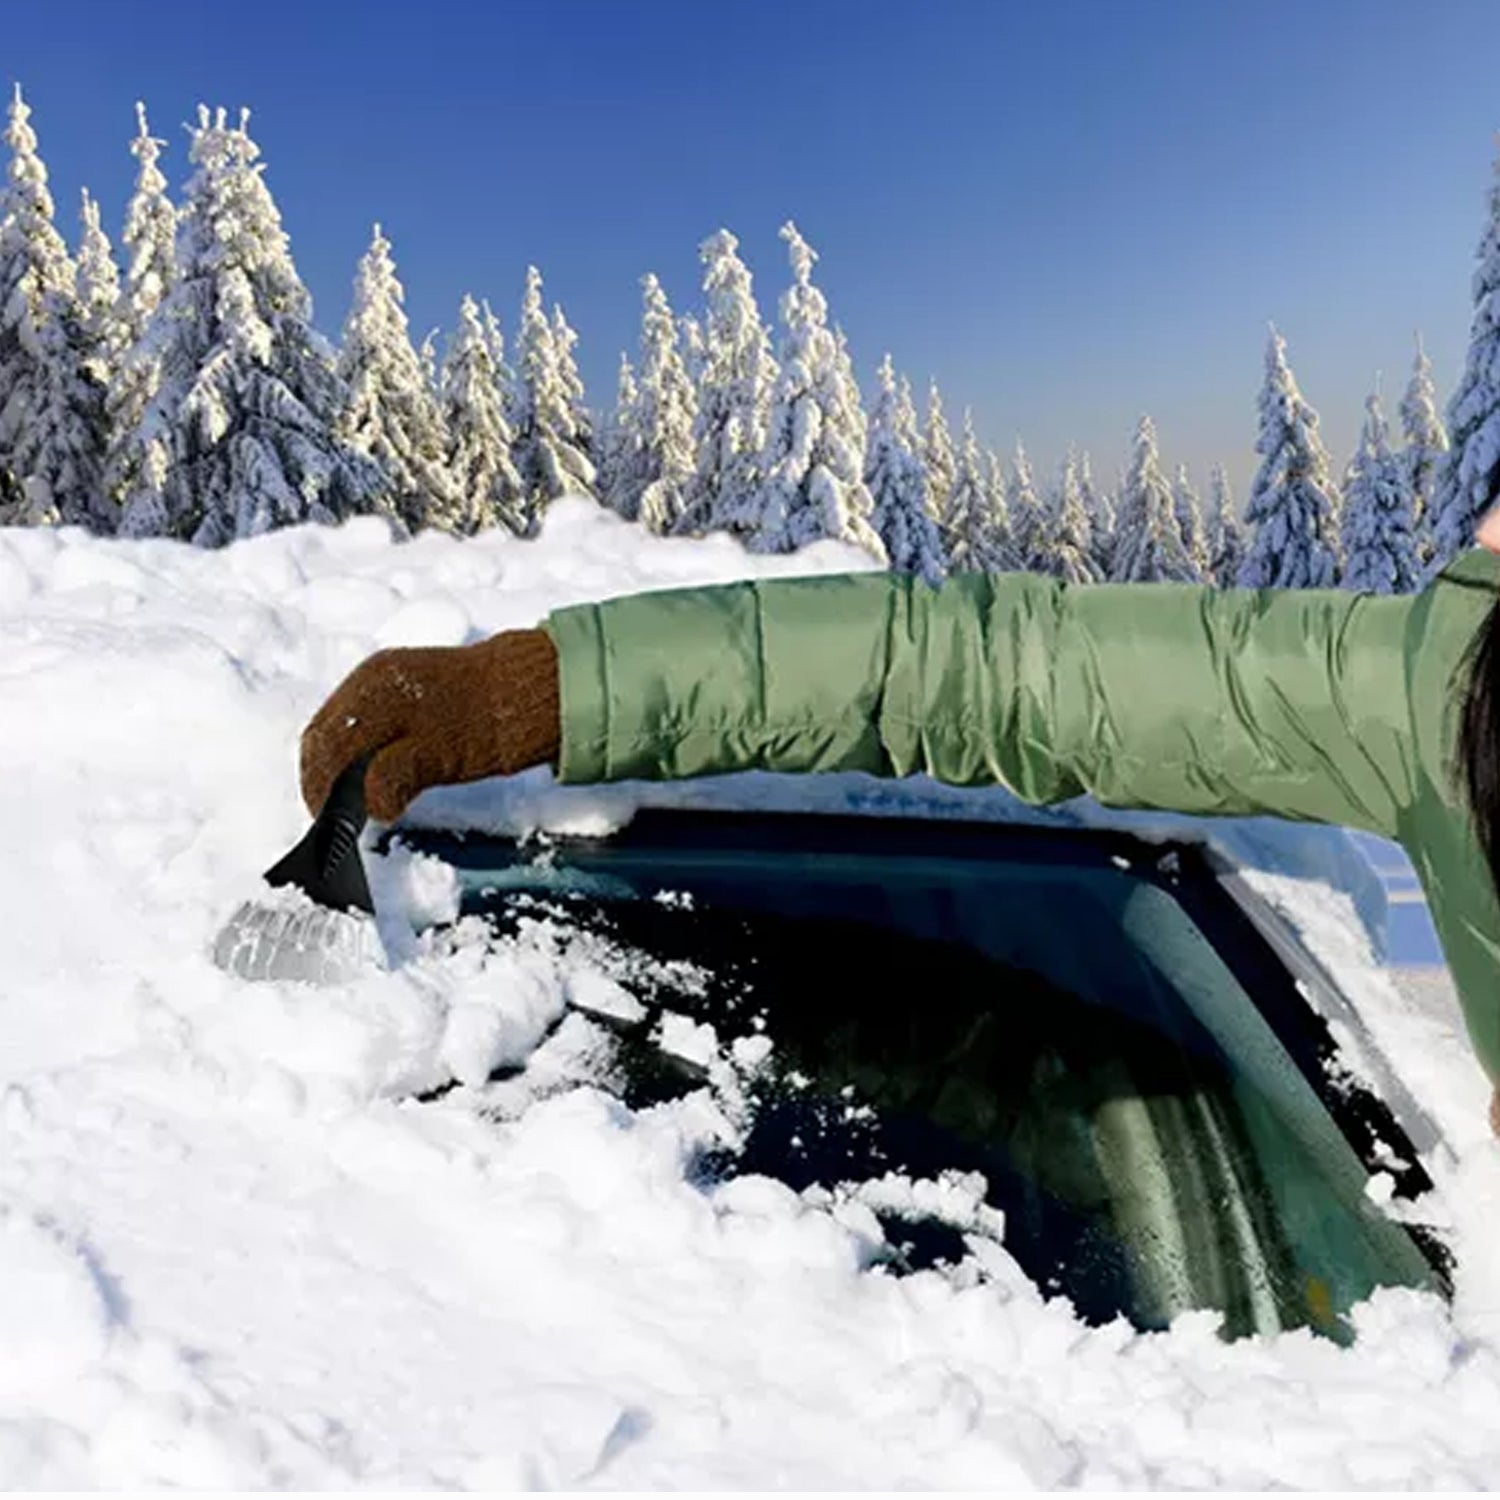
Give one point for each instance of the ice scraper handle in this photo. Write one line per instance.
(326, 864)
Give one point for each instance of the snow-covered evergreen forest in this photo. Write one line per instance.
(178, 387)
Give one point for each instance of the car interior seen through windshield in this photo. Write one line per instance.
(1088, 1021)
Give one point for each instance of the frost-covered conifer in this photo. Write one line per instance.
(973, 545)
(98, 284)
(734, 381)
(1424, 453)
(694, 345)
(479, 436)
(1148, 541)
(1030, 530)
(1294, 504)
(662, 417)
(619, 462)
(898, 488)
(1188, 509)
(908, 428)
(1072, 558)
(851, 401)
(1226, 534)
(547, 454)
(51, 405)
(239, 435)
(564, 340)
(504, 375)
(150, 264)
(1100, 510)
(1379, 548)
(1469, 477)
(390, 408)
(938, 458)
(995, 489)
(431, 365)
(814, 456)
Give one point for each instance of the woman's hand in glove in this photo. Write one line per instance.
(435, 715)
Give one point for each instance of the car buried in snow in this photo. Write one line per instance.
(1115, 1037)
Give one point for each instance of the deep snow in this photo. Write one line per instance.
(234, 1251)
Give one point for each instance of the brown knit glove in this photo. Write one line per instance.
(435, 715)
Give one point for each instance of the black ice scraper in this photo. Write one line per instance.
(322, 930)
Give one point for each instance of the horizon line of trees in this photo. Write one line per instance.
(182, 391)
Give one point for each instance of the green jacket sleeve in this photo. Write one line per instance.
(1287, 702)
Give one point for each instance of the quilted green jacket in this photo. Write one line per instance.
(1313, 704)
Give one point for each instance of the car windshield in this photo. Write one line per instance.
(1078, 1024)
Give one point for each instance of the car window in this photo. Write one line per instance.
(1041, 1011)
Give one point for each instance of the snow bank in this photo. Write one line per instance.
(234, 1250)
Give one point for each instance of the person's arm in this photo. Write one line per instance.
(1188, 698)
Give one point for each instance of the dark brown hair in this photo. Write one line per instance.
(1477, 752)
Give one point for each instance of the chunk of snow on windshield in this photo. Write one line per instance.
(693, 1041)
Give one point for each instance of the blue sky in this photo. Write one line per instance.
(1067, 213)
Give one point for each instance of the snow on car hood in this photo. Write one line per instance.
(235, 1251)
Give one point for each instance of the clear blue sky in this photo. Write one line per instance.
(1069, 213)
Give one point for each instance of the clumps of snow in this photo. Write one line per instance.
(416, 888)
(956, 1199)
(692, 1041)
(597, 993)
(236, 1251)
(751, 1052)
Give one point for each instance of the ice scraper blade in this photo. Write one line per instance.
(322, 929)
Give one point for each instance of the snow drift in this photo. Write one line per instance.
(235, 1251)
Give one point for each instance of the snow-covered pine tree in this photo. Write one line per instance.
(52, 433)
(664, 412)
(938, 458)
(100, 346)
(1469, 477)
(910, 428)
(734, 381)
(1379, 547)
(1424, 452)
(1294, 504)
(390, 409)
(150, 260)
(504, 375)
(694, 345)
(239, 436)
(1148, 541)
(33, 266)
(996, 487)
(1072, 556)
(619, 444)
(854, 401)
(565, 340)
(1188, 509)
(814, 456)
(98, 286)
(546, 453)
(479, 436)
(973, 545)
(1226, 534)
(898, 488)
(1030, 530)
(1100, 510)
(431, 365)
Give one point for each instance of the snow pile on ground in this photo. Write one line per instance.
(235, 1250)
